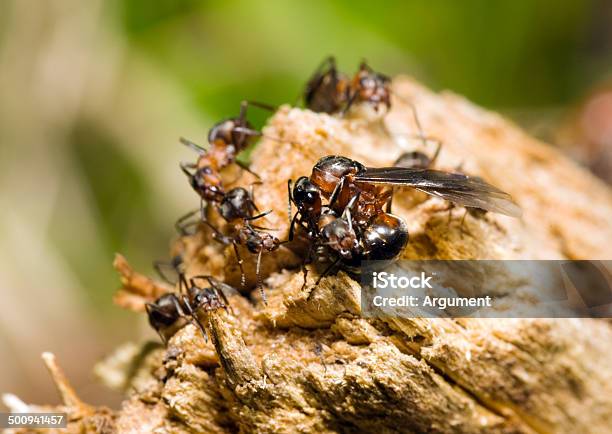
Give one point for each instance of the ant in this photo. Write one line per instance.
(330, 91)
(171, 312)
(256, 241)
(358, 195)
(238, 208)
(237, 204)
(227, 139)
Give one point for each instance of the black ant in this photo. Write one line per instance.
(171, 312)
(330, 91)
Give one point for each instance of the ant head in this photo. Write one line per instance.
(207, 299)
(207, 183)
(384, 238)
(257, 241)
(413, 160)
(226, 132)
(340, 236)
(306, 195)
(372, 88)
(237, 204)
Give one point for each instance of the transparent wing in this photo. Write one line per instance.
(455, 187)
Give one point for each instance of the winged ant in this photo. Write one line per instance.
(343, 206)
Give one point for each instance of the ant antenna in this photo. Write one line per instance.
(436, 153)
(244, 105)
(199, 149)
(240, 264)
(157, 266)
(258, 216)
(258, 277)
(185, 168)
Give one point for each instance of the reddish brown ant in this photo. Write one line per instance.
(226, 139)
(330, 91)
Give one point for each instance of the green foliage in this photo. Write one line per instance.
(503, 53)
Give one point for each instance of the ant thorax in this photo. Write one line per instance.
(218, 156)
(329, 171)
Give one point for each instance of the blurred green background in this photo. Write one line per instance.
(95, 94)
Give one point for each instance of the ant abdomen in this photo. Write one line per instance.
(384, 238)
(166, 315)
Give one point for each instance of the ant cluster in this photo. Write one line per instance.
(343, 207)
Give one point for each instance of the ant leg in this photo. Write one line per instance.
(217, 235)
(351, 203)
(450, 213)
(199, 149)
(244, 105)
(463, 221)
(258, 278)
(292, 224)
(157, 266)
(244, 166)
(252, 194)
(349, 104)
(303, 265)
(289, 201)
(436, 153)
(255, 133)
(328, 270)
(194, 318)
(390, 203)
(183, 286)
(180, 224)
(336, 192)
(240, 264)
(329, 61)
